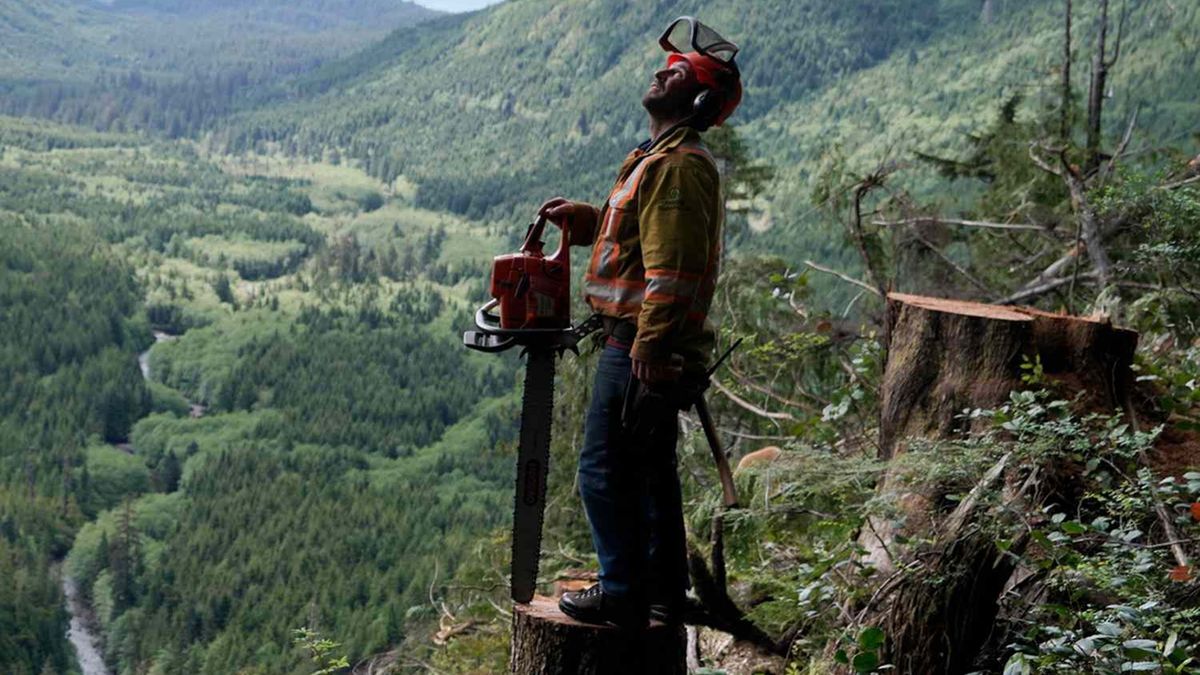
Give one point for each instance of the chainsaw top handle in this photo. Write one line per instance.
(533, 238)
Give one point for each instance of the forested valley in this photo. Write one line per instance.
(239, 419)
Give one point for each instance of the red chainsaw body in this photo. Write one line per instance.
(534, 290)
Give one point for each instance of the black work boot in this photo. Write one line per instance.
(668, 611)
(592, 605)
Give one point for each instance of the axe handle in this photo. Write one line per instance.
(714, 443)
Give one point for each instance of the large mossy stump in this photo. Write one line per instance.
(547, 642)
(944, 357)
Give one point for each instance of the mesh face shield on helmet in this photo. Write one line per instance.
(711, 58)
(686, 34)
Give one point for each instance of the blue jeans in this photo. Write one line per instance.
(630, 490)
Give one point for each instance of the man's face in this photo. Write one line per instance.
(672, 91)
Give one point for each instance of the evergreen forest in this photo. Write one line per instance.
(240, 241)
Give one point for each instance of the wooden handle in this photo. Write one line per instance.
(722, 462)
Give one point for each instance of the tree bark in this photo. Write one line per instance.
(547, 642)
(1064, 124)
(1096, 92)
(1089, 226)
(944, 357)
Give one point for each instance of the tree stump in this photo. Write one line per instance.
(547, 642)
(946, 356)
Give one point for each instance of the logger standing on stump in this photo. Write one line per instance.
(656, 244)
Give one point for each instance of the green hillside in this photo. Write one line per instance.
(502, 108)
(311, 346)
(934, 97)
(491, 113)
(172, 66)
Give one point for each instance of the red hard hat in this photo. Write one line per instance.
(716, 76)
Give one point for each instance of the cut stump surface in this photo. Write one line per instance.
(547, 642)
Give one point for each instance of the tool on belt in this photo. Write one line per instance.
(645, 405)
(533, 294)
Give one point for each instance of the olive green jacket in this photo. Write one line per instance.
(656, 247)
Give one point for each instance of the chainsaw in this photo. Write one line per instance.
(532, 293)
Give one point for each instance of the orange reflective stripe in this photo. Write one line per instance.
(604, 262)
(621, 196)
(610, 223)
(621, 295)
(617, 282)
(629, 188)
(667, 298)
(672, 286)
(614, 309)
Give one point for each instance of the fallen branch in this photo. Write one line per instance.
(1055, 269)
(861, 190)
(1041, 289)
(1179, 183)
(447, 631)
(503, 612)
(1159, 287)
(966, 507)
(1124, 145)
(748, 405)
(848, 279)
(1088, 222)
(747, 382)
(957, 221)
(693, 649)
(717, 610)
(955, 266)
(1042, 163)
(1160, 509)
(739, 434)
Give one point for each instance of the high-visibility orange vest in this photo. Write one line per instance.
(656, 247)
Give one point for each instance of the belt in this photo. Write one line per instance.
(621, 330)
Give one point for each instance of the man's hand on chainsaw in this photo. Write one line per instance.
(557, 209)
(656, 372)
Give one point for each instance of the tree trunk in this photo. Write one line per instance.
(944, 357)
(1096, 92)
(1064, 123)
(547, 642)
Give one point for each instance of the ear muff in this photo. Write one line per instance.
(706, 107)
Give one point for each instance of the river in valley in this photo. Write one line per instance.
(144, 357)
(85, 642)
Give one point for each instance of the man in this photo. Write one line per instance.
(656, 244)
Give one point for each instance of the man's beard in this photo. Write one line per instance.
(668, 107)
